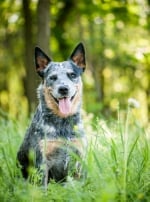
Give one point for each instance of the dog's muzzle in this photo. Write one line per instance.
(64, 102)
(63, 91)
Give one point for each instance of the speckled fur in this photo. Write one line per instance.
(52, 136)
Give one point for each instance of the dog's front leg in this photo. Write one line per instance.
(41, 165)
(44, 169)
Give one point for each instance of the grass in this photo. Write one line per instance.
(117, 164)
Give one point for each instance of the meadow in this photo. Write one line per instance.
(117, 163)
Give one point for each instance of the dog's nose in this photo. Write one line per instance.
(63, 90)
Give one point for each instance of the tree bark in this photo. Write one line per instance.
(98, 65)
(30, 79)
(43, 21)
(59, 29)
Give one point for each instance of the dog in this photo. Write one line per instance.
(56, 134)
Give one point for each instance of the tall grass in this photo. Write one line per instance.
(117, 164)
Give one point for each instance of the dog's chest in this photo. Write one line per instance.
(61, 139)
(52, 128)
(61, 154)
(54, 131)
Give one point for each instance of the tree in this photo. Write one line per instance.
(43, 36)
(43, 21)
(30, 78)
(59, 29)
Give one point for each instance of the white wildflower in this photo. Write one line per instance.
(133, 103)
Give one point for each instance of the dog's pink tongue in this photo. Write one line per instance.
(65, 106)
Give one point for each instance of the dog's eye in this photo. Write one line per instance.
(72, 75)
(53, 78)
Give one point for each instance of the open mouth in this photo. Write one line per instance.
(58, 99)
(64, 104)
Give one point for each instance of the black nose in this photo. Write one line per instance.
(63, 90)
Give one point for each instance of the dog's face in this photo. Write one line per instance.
(62, 82)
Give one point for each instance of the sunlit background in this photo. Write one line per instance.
(116, 35)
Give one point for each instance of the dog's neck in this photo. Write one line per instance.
(68, 127)
(48, 115)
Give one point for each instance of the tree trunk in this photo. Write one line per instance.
(59, 29)
(102, 60)
(98, 66)
(29, 81)
(43, 28)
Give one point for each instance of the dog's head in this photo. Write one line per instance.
(62, 86)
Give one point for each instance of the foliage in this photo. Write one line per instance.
(116, 37)
(117, 164)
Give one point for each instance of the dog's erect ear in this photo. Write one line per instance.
(78, 56)
(41, 60)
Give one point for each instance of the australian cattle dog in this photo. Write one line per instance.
(56, 136)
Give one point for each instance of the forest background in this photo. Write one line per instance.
(116, 34)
